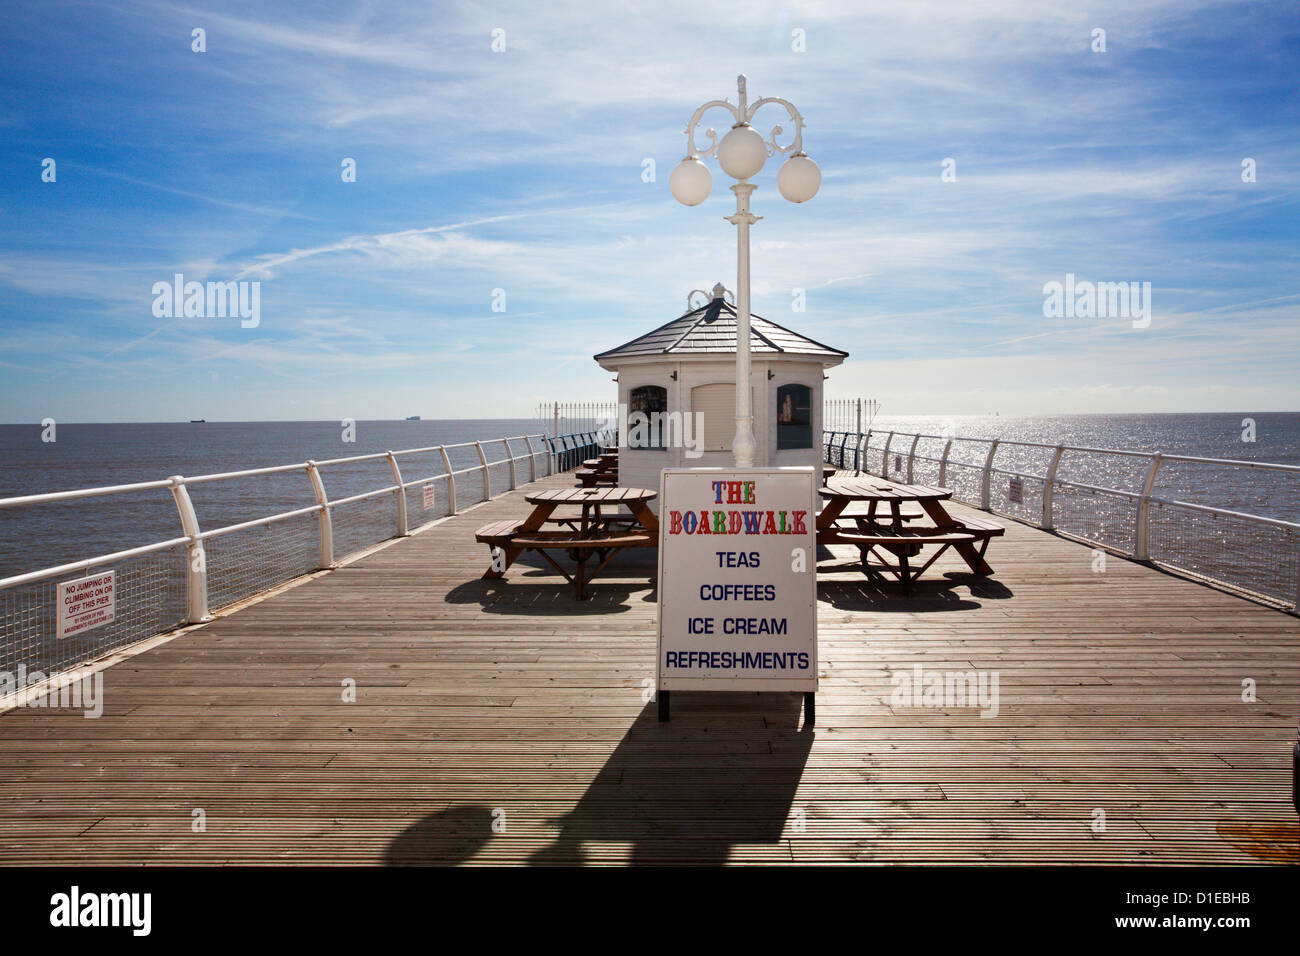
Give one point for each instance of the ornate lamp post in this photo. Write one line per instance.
(741, 154)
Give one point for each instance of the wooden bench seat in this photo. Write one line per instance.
(904, 537)
(881, 517)
(903, 544)
(497, 531)
(591, 478)
(983, 529)
(565, 541)
(603, 544)
(982, 526)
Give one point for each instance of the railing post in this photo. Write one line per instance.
(323, 517)
(943, 463)
(827, 443)
(511, 456)
(986, 497)
(487, 477)
(196, 573)
(532, 459)
(451, 481)
(911, 456)
(1141, 533)
(884, 458)
(401, 496)
(1049, 484)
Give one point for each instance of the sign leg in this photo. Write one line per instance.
(809, 708)
(663, 705)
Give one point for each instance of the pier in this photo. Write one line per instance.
(506, 722)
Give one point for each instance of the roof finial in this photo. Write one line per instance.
(719, 292)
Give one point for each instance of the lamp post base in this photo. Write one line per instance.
(743, 445)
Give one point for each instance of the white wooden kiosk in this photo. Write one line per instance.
(689, 365)
(733, 626)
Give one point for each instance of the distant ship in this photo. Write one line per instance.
(412, 418)
(194, 420)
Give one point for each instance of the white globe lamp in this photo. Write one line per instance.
(742, 152)
(799, 178)
(691, 182)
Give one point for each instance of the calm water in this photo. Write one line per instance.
(92, 455)
(114, 454)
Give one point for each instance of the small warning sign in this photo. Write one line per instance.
(428, 497)
(1016, 491)
(85, 603)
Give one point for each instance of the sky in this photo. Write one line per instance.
(518, 178)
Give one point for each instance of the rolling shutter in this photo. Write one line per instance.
(718, 404)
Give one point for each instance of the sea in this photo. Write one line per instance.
(95, 455)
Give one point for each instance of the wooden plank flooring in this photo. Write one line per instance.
(502, 722)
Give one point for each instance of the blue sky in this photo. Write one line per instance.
(522, 171)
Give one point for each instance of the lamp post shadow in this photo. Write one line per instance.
(723, 772)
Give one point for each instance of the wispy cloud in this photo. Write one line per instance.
(525, 171)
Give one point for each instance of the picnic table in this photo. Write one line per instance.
(892, 534)
(595, 532)
(593, 478)
(599, 472)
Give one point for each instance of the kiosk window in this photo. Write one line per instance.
(646, 432)
(793, 417)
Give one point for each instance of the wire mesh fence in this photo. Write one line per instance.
(361, 524)
(149, 599)
(1254, 552)
(155, 592)
(247, 562)
(965, 481)
(1245, 553)
(1105, 518)
(1020, 496)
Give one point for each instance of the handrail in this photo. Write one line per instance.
(28, 634)
(1140, 502)
(23, 500)
(194, 536)
(70, 567)
(1192, 459)
(258, 522)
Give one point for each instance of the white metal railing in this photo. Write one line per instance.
(1256, 553)
(561, 418)
(569, 451)
(144, 602)
(849, 414)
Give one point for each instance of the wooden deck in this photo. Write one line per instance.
(509, 702)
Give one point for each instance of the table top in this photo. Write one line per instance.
(868, 488)
(598, 496)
